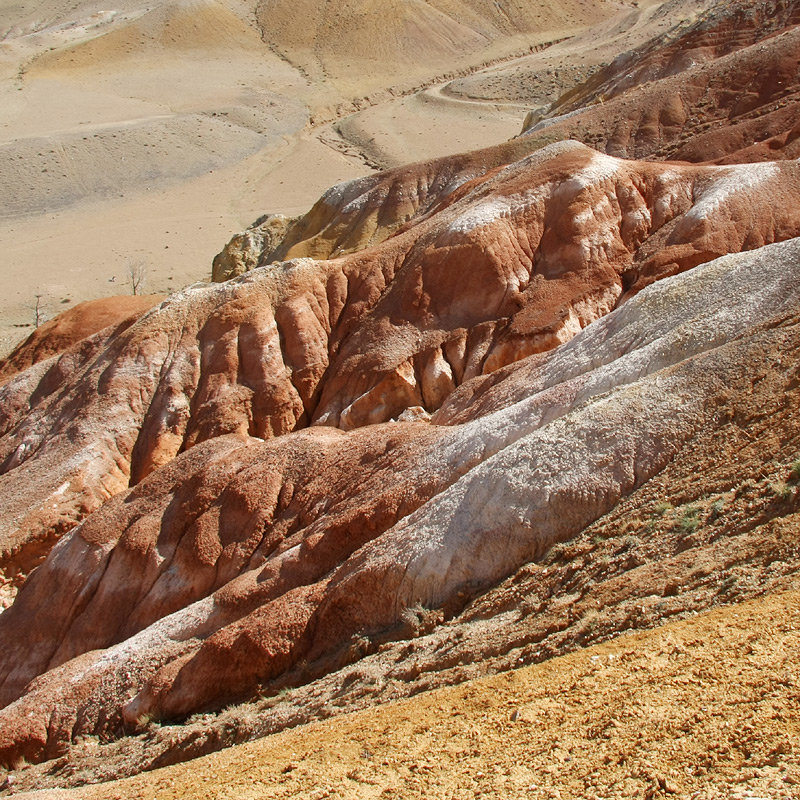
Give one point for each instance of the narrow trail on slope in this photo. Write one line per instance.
(341, 132)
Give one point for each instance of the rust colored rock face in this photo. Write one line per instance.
(223, 569)
(71, 327)
(401, 398)
(725, 90)
(510, 264)
(247, 545)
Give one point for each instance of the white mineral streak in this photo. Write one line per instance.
(546, 123)
(482, 213)
(737, 179)
(535, 470)
(600, 168)
(353, 192)
(490, 211)
(672, 194)
(180, 626)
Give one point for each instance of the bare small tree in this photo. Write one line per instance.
(137, 275)
(38, 311)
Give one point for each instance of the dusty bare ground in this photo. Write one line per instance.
(701, 708)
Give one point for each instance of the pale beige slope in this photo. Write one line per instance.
(401, 131)
(371, 40)
(488, 105)
(136, 101)
(84, 251)
(541, 78)
(702, 708)
(136, 135)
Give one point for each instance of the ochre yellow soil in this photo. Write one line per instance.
(703, 708)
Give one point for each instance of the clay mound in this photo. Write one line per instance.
(517, 263)
(721, 30)
(738, 107)
(228, 567)
(112, 41)
(364, 212)
(360, 213)
(70, 327)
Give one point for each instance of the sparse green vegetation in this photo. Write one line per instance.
(689, 522)
(591, 622)
(603, 562)
(663, 507)
(746, 487)
(360, 646)
(794, 471)
(419, 619)
(558, 552)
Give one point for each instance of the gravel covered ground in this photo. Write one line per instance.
(700, 708)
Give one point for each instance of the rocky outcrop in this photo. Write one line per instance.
(362, 213)
(252, 248)
(725, 90)
(511, 264)
(721, 30)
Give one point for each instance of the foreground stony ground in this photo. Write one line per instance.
(700, 708)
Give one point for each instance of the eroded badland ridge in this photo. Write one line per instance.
(463, 415)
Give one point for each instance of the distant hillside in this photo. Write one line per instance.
(400, 41)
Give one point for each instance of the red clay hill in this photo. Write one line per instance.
(422, 389)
